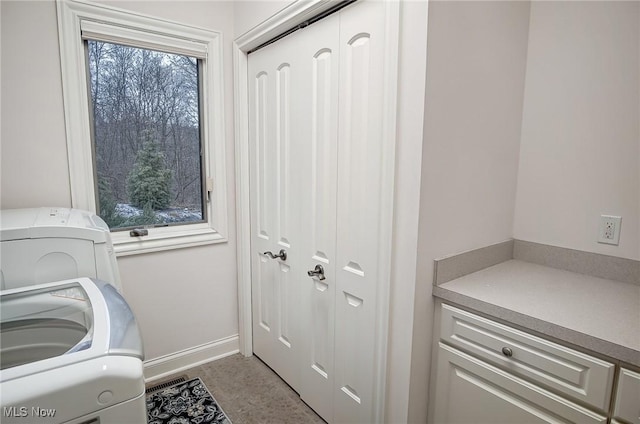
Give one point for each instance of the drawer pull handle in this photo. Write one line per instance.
(507, 352)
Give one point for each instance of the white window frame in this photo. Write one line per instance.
(141, 30)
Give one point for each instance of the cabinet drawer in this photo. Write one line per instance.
(557, 367)
(470, 391)
(628, 397)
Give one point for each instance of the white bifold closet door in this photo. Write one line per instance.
(315, 101)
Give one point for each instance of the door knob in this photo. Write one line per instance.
(317, 271)
(282, 255)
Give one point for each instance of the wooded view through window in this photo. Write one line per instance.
(146, 135)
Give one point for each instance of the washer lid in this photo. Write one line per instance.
(57, 324)
(44, 323)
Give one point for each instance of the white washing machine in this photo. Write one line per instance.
(70, 348)
(39, 245)
(70, 352)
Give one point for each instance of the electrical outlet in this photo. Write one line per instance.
(609, 229)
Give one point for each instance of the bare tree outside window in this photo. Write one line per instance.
(146, 135)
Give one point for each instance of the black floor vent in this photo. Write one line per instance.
(165, 384)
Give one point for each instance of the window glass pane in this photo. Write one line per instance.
(146, 134)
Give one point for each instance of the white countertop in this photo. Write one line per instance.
(594, 313)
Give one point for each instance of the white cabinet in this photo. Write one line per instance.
(487, 372)
(627, 405)
(471, 391)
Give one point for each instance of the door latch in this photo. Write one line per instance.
(139, 232)
(318, 271)
(282, 255)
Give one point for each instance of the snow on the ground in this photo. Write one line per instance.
(127, 211)
(164, 216)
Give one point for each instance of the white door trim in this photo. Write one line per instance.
(294, 14)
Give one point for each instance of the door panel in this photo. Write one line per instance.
(264, 292)
(262, 184)
(318, 48)
(359, 201)
(283, 104)
(275, 282)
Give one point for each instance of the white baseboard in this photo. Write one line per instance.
(157, 368)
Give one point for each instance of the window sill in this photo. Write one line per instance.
(125, 245)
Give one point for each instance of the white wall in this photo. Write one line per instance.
(476, 59)
(249, 13)
(580, 148)
(182, 298)
(34, 153)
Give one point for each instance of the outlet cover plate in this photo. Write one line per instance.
(609, 231)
